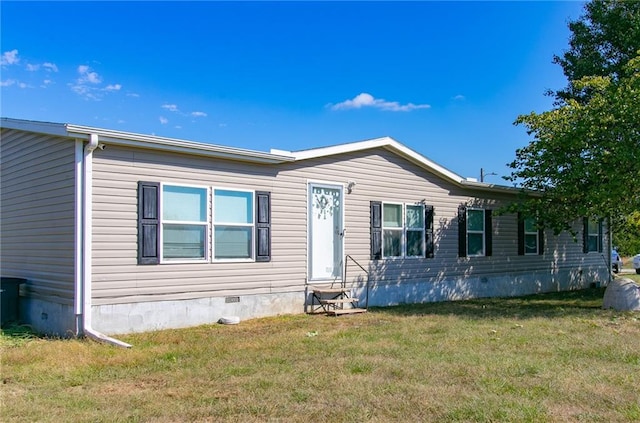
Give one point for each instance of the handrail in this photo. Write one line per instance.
(344, 277)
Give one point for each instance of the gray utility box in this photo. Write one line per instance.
(10, 300)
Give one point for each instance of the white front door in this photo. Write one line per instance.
(325, 231)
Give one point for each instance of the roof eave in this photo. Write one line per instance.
(144, 141)
(175, 145)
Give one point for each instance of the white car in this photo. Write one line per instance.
(636, 263)
(616, 261)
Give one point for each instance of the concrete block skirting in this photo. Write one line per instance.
(387, 293)
(59, 319)
(142, 317)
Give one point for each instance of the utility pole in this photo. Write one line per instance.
(482, 174)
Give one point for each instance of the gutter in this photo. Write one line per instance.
(83, 242)
(129, 139)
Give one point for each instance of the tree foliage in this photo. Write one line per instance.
(601, 43)
(584, 159)
(627, 236)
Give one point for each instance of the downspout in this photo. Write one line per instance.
(608, 252)
(84, 232)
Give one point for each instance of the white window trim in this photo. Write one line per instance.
(252, 225)
(483, 232)
(207, 239)
(595, 234)
(537, 235)
(403, 229)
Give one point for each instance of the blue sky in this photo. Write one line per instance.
(447, 79)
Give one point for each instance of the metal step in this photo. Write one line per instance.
(339, 312)
(339, 301)
(330, 290)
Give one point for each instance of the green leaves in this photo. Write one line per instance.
(585, 156)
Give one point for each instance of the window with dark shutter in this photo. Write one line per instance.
(521, 235)
(376, 230)
(540, 241)
(530, 238)
(148, 222)
(592, 235)
(462, 231)
(599, 235)
(428, 231)
(585, 235)
(488, 234)
(263, 226)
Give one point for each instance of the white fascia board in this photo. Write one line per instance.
(384, 142)
(493, 187)
(175, 145)
(49, 128)
(404, 151)
(107, 136)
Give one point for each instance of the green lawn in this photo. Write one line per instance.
(542, 358)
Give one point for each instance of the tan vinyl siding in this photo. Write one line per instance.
(117, 278)
(37, 184)
(383, 176)
(380, 176)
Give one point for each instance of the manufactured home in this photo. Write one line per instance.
(117, 232)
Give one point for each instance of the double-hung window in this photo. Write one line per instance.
(475, 232)
(233, 231)
(530, 236)
(403, 231)
(185, 223)
(592, 235)
(179, 223)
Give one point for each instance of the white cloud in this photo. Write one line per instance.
(163, 120)
(367, 100)
(12, 82)
(459, 97)
(9, 58)
(198, 114)
(87, 75)
(51, 67)
(88, 83)
(170, 107)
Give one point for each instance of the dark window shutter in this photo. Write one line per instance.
(585, 235)
(462, 231)
(520, 234)
(376, 230)
(148, 222)
(600, 235)
(428, 231)
(488, 233)
(540, 241)
(263, 226)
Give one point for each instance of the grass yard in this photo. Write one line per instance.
(541, 358)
